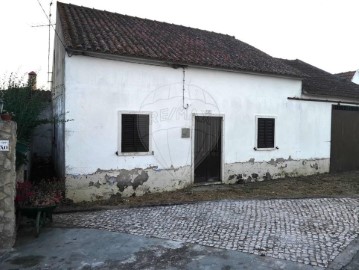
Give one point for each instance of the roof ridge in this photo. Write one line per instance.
(96, 31)
(163, 22)
(283, 60)
(345, 72)
(319, 69)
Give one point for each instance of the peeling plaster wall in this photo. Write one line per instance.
(136, 182)
(109, 87)
(251, 171)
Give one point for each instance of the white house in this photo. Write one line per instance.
(156, 106)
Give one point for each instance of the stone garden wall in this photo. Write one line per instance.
(7, 184)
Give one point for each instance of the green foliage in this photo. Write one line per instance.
(26, 106)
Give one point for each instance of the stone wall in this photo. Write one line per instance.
(7, 185)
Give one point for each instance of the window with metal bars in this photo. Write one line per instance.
(265, 132)
(135, 133)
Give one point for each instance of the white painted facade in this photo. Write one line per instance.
(97, 90)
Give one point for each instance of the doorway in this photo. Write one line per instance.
(344, 151)
(207, 149)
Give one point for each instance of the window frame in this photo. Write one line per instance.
(119, 143)
(256, 133)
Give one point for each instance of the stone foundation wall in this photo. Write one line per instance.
(7, 185)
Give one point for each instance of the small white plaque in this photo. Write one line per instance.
(4, 145)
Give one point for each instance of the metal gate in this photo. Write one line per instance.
(344, 153)
(207, 149)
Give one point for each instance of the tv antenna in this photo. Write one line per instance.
(49, 25)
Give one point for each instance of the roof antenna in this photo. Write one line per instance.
(183, 89)
(49, 45)
(49, 39)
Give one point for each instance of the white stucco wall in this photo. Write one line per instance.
(97, 89)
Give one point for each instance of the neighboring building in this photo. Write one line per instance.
(157, 106)
(319, 83)
(321, 86)
(41, 139)
(352, 76)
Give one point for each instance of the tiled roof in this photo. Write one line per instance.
(91, 30)
(322, 83)
(346, 75)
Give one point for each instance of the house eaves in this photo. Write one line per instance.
(93, 32)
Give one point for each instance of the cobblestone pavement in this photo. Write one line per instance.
(309, 231)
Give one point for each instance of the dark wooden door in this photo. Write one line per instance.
(207, 149)
(344, 153)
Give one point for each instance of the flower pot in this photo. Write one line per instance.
(6, 117)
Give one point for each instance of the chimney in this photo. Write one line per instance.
(32, 80)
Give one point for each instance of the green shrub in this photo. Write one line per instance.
(26, 106)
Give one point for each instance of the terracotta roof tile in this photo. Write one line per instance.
(320, 82)
(92, 30)
(346, 75)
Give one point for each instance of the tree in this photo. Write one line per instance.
(26, 106)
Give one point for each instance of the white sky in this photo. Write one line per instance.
(323, 33)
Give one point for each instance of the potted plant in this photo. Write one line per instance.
(6, 116)
(37, 202)
(45, 193)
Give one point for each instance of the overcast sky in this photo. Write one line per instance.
(323, 33)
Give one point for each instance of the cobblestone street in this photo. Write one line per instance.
(309, 231)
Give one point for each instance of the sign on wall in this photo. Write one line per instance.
(4, 145)
(186, 133)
